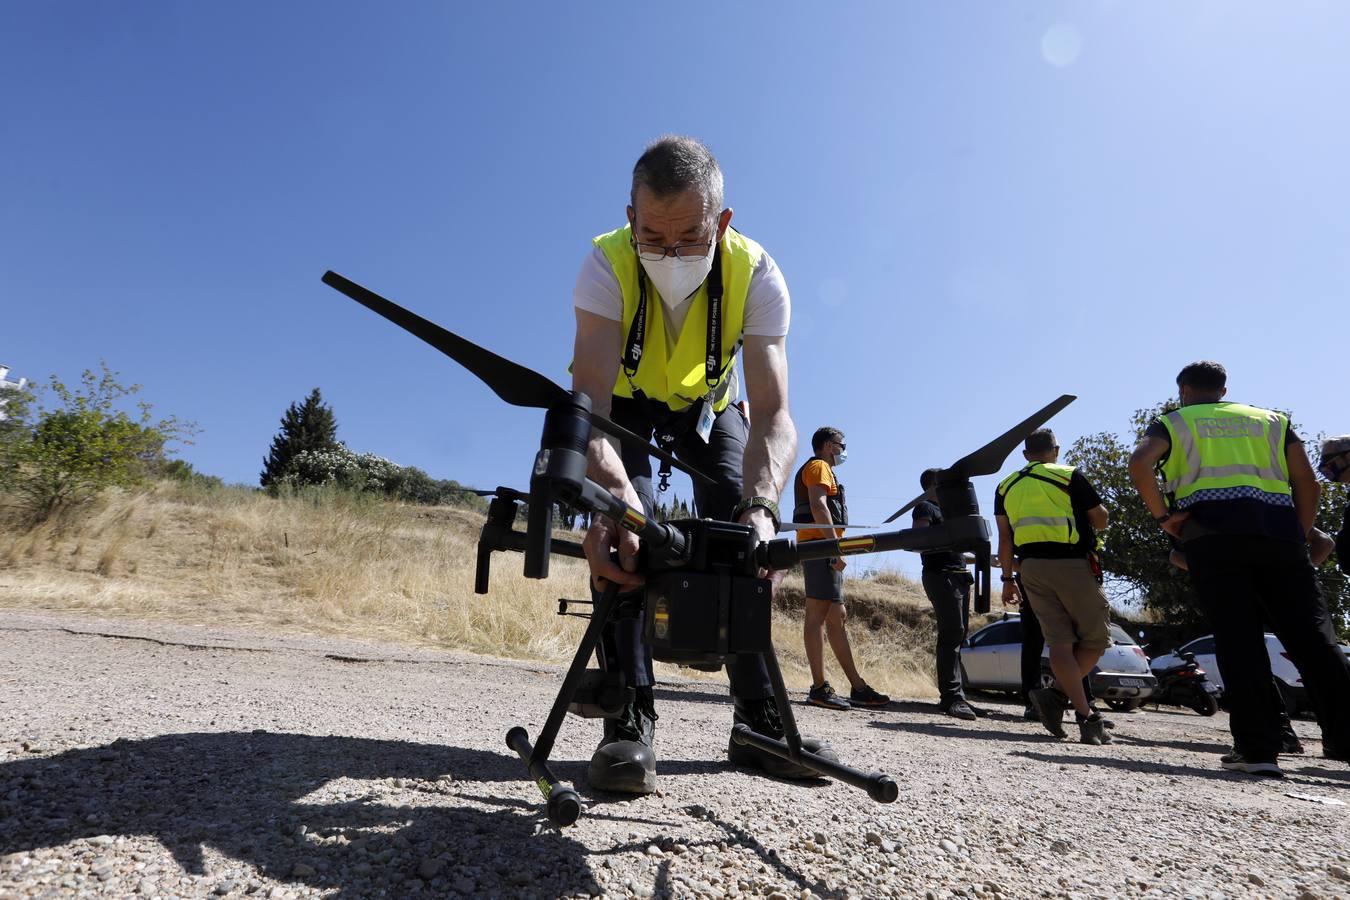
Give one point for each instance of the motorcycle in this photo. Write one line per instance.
(1185, 684)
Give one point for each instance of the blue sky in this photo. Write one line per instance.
(977, 207)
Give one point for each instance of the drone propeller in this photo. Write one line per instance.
(510, 381)
(990, 458)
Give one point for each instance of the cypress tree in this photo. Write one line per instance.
(307, 426)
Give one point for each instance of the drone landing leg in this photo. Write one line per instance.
(564, 806)
(881, 788)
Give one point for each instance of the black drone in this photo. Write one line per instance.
(703, 598)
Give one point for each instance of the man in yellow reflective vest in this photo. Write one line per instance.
(1240, 494)
(1047, 515)
(663, 306)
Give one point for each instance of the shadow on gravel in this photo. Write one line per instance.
(972, 730)
(1217, 749)
(1152, 768)
(244, 795)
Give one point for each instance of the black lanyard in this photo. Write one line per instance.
(637, 332)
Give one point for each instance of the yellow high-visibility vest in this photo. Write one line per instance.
(1036, 500)
(1226, 451)
(677, 375)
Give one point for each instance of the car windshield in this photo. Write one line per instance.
(1119, 636)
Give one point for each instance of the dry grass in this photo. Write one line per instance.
(331, 563)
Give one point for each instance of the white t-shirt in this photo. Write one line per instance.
(768, 308)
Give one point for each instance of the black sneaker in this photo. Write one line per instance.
(866, 696)
(1030, 714)
(1050, 705)
(1236, 762)
(960, 709)
(1291, 745)
(825, 697)
(762, 717)
(625, 762)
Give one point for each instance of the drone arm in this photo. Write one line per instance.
(661, 541)
(965, 533)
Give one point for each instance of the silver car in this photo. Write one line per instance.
(991, 659)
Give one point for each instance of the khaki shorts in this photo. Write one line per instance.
(1068, 601)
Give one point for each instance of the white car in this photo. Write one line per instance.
(1287, 677)
(991, 659)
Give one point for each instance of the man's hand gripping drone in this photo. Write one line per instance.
(704, 599)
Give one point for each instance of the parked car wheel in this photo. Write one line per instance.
(1127, 704)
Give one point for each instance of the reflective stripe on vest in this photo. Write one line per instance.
(1226, 451)
(1040, 512)
(677, 376)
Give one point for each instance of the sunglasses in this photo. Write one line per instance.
(1333, 467)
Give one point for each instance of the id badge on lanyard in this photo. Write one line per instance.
(704, 423)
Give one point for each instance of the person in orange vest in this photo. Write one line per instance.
(819, 497)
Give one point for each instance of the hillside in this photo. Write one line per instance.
(332, 563)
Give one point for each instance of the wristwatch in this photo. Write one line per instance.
(764, 503)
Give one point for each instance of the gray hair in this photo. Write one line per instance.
(672, 164)
(1335, 446)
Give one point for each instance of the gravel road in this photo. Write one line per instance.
(147, 759)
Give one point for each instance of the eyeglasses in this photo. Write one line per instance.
(654, 252)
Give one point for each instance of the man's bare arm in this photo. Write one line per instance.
(1005, 545)
(1097, 517)
(772, 445)
(595, 367)
(1142, 462)
(820, 509)
(1303, 481)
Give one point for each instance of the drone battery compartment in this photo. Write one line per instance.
(714, 605)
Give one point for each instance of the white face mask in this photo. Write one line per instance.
(841, 458)
(676, 278)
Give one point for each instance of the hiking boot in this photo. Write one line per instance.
(1236, 762)
(762, 717)
(625, 762)
(960, 709)
(1106, 723)
(1050, 705)
(825, 697)
(1092, 730)
(866, 696)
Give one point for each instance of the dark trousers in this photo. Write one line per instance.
(949, 592)
(1033, 644)
(1243, 581)
(721, 459)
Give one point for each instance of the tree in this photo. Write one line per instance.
(307, 426)
(66, 454)
(1134, 549)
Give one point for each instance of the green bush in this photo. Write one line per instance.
(65, 454)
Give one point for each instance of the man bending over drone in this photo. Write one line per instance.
(663, 304)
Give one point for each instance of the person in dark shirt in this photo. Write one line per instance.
(1240, 494)
(947, 582)
(1335, 467)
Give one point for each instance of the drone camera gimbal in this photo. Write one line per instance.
(703, 597)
